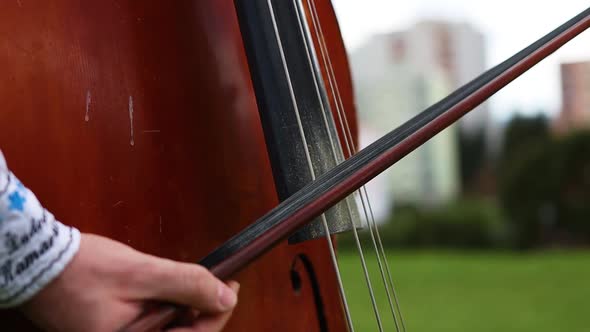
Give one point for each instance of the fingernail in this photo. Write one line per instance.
(236, 286)
(227, 297)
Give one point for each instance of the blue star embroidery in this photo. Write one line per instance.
(16, 202)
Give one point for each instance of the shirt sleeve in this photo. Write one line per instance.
(34, 246)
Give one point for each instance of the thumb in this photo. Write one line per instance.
(188, 284)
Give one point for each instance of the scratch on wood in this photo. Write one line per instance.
(117, 204)
(160, 224)
(88, 101)
(20, 4)
(131, 120)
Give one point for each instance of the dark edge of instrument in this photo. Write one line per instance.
(336, 184)
(290, 109)
(277, 114)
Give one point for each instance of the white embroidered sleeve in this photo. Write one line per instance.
(34, 247)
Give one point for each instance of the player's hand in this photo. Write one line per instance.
(107, 284)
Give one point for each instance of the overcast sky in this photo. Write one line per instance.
(509, 25)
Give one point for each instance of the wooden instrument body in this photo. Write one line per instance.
(137, 120)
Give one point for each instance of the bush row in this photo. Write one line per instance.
(468, 223)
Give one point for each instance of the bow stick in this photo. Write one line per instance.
(347, 177)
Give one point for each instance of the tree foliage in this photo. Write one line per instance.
(545, 184)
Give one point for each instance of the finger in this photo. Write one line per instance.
(187, 284)
(211, 323)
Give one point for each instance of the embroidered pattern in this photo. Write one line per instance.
(16, 202)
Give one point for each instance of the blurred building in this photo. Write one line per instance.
(399, 74)
(456, 49)
(575, 86)
(389, 93)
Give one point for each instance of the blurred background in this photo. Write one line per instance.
(487, 226)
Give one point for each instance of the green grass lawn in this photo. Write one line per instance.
(477, 291)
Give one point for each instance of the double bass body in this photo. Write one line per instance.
(137, 120)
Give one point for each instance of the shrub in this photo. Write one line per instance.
(462, 224)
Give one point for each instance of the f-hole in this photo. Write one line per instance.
(296, 282)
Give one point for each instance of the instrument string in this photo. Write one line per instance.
(310, 165)
(325, 107)
(366, 208)
(351, 148)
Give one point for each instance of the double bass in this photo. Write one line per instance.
(175, 126)
(144, 114)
